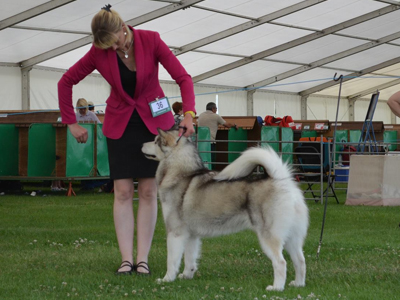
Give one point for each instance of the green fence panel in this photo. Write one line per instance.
(270, 134)
(309, 133)
(390, 136)
(9, 141)
(103, 166)
(203, 133)
(354, 136)
(287, 135)
(79, 158)
(236, 135)
(41, 150)
(341, 139)
(193, 137)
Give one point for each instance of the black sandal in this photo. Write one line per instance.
(143, 265)
(125, 263)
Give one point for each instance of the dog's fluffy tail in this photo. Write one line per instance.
(250, 159)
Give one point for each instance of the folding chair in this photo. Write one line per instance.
(314, 167)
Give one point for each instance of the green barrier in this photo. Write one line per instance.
(103, 167)
(79, 158)
(287, 135)
(270, 133)
(309, 133)
(9, 141)
(203, 133)
(341, 139)
(236, 134)
(194, 135)
(390, 136)
(41, 150)
(354, 136)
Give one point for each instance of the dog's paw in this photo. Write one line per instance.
(272, 288)
(185, 276)
(188, 273)
(166, 279)
(293, 283)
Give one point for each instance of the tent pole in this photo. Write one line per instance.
(330, 161)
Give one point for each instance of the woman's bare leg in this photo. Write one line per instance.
(124, 219)
(146, 218)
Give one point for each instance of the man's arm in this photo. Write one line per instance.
(222, 122)
(394, 103)
(229, 125)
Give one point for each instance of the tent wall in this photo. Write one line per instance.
(203, 95)
(324, 108)
(44, 89)
(382, 111)
(10, 88)
(277, 104)
(231, 102)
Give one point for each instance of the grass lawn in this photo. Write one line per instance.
(57, 247)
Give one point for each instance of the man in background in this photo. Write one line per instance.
(211, 119)
(91, 106)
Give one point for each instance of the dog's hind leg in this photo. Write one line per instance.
(272, 247)
(175, 248)
(294, 247)
(192, 251)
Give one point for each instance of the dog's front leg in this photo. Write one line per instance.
(192, 252)
(175, 247)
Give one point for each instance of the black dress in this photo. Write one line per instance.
(124, 154)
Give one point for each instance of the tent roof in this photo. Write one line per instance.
(287, 45)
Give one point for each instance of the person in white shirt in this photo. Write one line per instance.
(211, 119)
(83, 114)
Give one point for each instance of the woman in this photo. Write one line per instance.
(83, 114)
(128, 59)
(178, 116)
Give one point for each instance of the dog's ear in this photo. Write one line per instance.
(161, 132)
(163, 135)
(166, 137)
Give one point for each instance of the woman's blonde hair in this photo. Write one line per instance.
(105, 26)
(82, 103)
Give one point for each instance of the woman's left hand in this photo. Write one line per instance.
(188, 123)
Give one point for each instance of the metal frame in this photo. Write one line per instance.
(174, 5)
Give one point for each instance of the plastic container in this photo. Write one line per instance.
(341, 174)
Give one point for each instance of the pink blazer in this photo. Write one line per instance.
(149, 51)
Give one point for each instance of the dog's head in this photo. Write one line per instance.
(164, 143)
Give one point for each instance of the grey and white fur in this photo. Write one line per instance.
(200, 203)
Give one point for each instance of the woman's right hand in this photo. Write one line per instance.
(78, 132)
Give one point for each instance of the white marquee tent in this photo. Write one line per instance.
(255, 57)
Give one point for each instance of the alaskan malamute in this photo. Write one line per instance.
(199, 203)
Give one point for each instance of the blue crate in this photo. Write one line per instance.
(341, 174)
